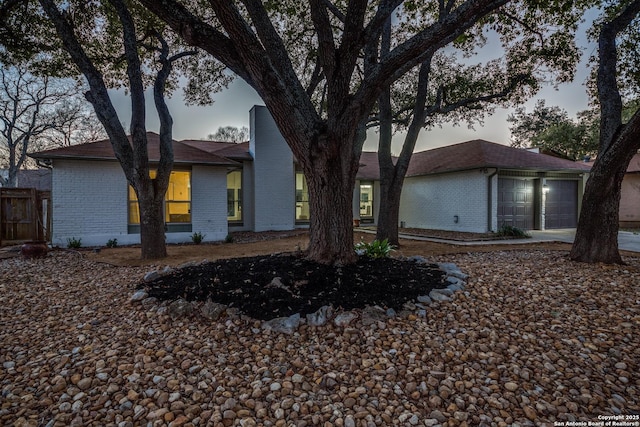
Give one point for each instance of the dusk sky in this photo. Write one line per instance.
(231, 108)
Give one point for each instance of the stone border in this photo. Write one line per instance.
(454, 280)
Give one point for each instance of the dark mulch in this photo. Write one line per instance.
(248, 284)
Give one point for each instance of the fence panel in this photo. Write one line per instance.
(25, 214)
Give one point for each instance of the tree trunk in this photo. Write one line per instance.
(389, 213)
(597, 233)
(152, 232)
(331, 180)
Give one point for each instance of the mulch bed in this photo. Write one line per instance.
(303, 286)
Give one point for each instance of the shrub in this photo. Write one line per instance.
(375, 249)
(512, 231)
(112, 243)
(73, 243)
(228, 239)
(197, 237)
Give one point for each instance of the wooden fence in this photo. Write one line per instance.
(25, 215)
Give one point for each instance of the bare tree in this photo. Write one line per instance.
(36, 112)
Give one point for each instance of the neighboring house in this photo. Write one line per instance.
(40, 179)
(221, 187)
(630, 196)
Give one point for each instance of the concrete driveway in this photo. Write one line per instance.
(627, 240)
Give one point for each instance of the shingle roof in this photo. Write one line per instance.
(230, 150)
(369, 168)
(102, 150)
(484, 154)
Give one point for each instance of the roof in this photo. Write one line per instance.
(484, 154)
(102, 150)
(634, 165)
(230, 150)
(369, 168)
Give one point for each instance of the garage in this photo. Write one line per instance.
(516, 203)
(561, 207)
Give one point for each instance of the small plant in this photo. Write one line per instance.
(73, 243)
(511, 231)
(375, 249)
(197, 237)
(112, 243)
(228, 239)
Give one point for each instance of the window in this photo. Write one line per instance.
(177, 206)
(234, 196)
(366, 200)
(302, 198)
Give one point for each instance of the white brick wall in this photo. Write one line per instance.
(273, 174)
(208, 203)
(433, 201)
(89, 203)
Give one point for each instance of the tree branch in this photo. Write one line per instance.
(197, 33)
(98, 94)
(421, 46)
(607, 79)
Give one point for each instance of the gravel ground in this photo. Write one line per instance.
(535, 339)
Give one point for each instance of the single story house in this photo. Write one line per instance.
(630, 197)
(220, 187)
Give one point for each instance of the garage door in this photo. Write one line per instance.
(562, 204)
(516, 203)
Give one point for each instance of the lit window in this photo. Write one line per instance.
(302, 198)
(366, 200)
(177, 207)
(234, 196)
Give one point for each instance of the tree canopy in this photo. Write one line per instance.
(319, 68)
(551, 128)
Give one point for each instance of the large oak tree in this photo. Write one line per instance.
(327, 136)
(618, 74)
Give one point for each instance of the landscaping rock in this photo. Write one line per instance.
(557, 344)
(344, 319)
(180, 308)
(320, 317)
(286, 325)
(139, 295)
(212, 310)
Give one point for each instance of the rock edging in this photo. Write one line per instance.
(454, 280)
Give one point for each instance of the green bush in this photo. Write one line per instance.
(73, 243)
(375, 249)
(512, 231)
(228, 239)
(112, 243)
(197, 237)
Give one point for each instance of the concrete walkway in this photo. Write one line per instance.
(627, 241)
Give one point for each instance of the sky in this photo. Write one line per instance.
(231, 108)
